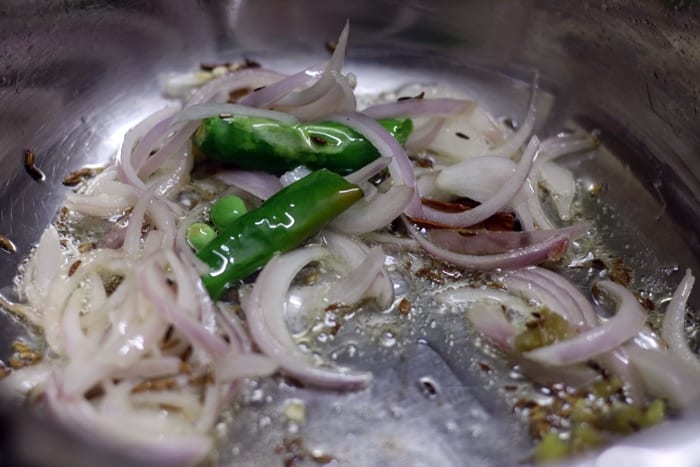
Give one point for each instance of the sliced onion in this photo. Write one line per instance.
(529, 199)
(392, 240)
(137, 218)
(553, 148)
(560, 184)
(340, 97)
(516, 141)
(152, 283)
(667, 376)
(490, 320)
(355, 286)
(45, 267)
(267, 95)
(421, 138)
(368, 216)
(557, 303)
(557, 281)
(294, 175)
(182, 247)
(363, 262)
(327, 79)
(496, 202)
(218, 89)
(135, 148)
(673, 327)
(248, 365)
(259, 184)
(26, 380)
(477, 178)
(150, 367)
(623, 326)
(487, 242)
(264, 310)
(417, 108)
(200, 111)
(550, 249)
(400, 167)
(368, 171)
(179, 138)
(155, 449)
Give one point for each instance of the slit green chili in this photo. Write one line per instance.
(256, 143)
(282, 223)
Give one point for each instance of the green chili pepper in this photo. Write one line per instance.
(282, 223)
(264, 144)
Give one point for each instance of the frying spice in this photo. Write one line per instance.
(31, 168)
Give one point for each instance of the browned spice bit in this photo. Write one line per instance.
(185, 368)
(431, 275)
(169, 332)
(16, 363)
(155, 384)
(595, 189)
(237, 94)
(404, 306)
(424, 162)
(112, 283)
(259, 88)
(335, 307)
(510, 387)
(4, 370)
(334, 329)
(7, 245)
(31, 168)
(331, 45)
(620, 273)
(646, 302)
(205, 378)
(322, 459)
(416, 97)
(598, 263)
(166, 406)
(94, 392)
(524, 404)
(310, 278)
(74, 267)
(86, 246)
(248, 63)
(169, 344)
(211, 66)
(23, 355)
(186, 354)
(19, 346)
(77, 176)
(509, 123)
(295, 452)
(318, 140)
(225, 115)
(428, 387)
(485, 367)
(459, 134)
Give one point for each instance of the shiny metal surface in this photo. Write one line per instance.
(75, 74)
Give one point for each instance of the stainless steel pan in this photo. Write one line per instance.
(75, 74)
